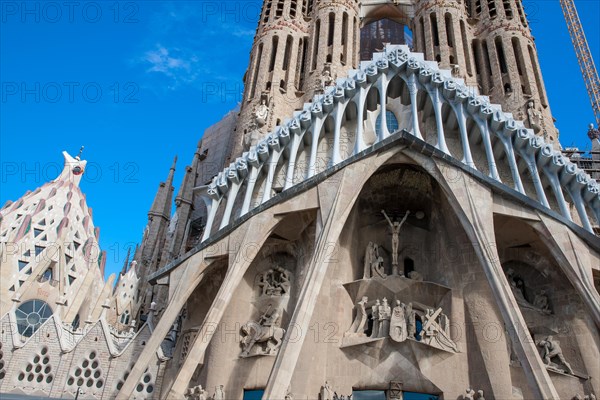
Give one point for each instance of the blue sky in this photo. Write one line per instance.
(137, 82)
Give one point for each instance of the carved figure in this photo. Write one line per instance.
(411, 321)
(195, 393)
(480, 395)
(377, 263)
(274, 282)
(395, 226)
(266, 331)
(262, 113)
(375, 318)
(385, 313)
(541, 302)
(326, 392)
(219, 394)
(534, 117)
(551, 350)
(398, 330)
(415, 276)
(326, 79)
(358, 326)
(469, 394)
(433, 334)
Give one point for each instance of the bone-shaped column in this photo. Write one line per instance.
(505, 130)
(526, 143)
(575, 181)
(235, 175)
(475, 109)
(256, 165)
(551, 163)
(275, 150)
(297, 134)
(456, 96)
(212, 199)
(318, 120)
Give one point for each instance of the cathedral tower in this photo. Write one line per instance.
(302, 47)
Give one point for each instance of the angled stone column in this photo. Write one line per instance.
(473, 205)
(244, 244)
(574, 259)
(194, 267)
(337, 196)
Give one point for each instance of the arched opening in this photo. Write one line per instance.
(385, 30)
(409, 266)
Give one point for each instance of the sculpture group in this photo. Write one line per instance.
(400, 323)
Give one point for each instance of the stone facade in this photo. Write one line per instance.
(366, 227)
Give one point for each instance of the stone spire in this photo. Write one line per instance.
(150, 252)
(53, 246)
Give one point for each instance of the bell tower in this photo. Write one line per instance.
(302, 46)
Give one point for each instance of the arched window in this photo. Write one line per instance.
(31, 315)
(75, 323)
(125, 318)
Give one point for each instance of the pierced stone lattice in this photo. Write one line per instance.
(38, 371)
(87, 376)
(2, 365)
(145, 386)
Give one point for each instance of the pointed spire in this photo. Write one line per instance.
(162, 202)
(126, 263)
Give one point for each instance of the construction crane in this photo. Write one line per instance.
(584, 56)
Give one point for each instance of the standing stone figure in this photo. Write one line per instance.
(261, 114)
(385, 313)
(377, 263)
(398, 331)
(358, 326)
(541, 302)
(375, 317)
(552, 349)
(469, 394)
(219, 394)
(395, 239)
(326, 392)
(411, 321)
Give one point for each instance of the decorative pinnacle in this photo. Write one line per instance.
(78, 158)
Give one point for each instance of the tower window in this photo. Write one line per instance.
(465, 44)
(434, 29)
(507, 9)
(492, 8)
(273, 53)
(501, 57)
(538, 78)
(316, 44)
(331, 29)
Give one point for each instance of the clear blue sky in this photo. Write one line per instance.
(137, 82)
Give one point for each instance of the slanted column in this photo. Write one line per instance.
(433, 82)
(352, 178)
(456, 96)
(360, 99)
(527, 144)
(413, 90)
(574, 180)
(338, 116)
(505, 130)
(475, 108)
(297, 134)
(317, 115)
(246, 249)
(552, 162)
(255, 166)
(473, 204)
(275, 150)
(212, 199)
(193, 272)
(233, 175)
